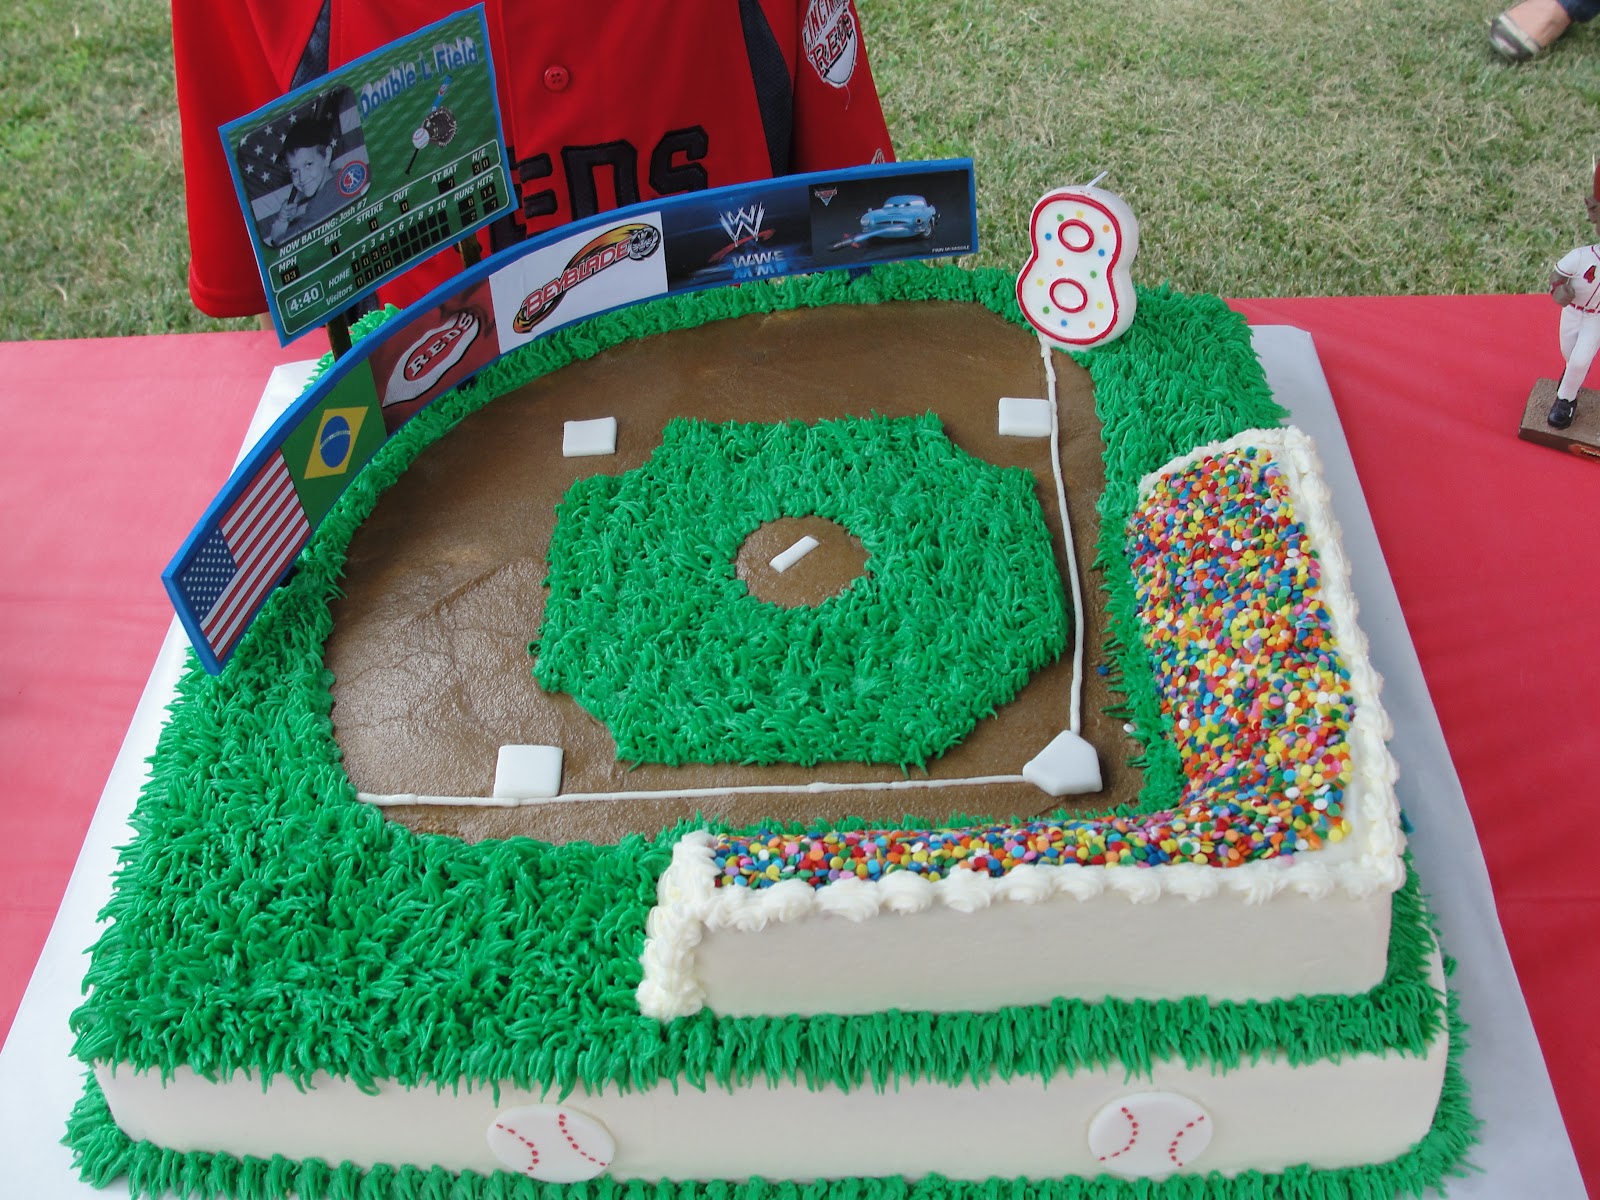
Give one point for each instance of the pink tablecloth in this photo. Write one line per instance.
(112, 448)
(109, 451)
(1493, 548)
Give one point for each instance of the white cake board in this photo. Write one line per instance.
(1524, 1149)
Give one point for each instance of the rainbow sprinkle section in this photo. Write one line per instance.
(1242, 649)
(1246, 669)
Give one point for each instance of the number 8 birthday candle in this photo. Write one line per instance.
(1075, 289)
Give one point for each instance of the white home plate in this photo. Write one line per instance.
(1149, 1134)
(551, 1143)
(1068, 766)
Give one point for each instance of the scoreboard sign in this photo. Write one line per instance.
(348, 181)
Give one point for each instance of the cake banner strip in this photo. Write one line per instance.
(739, 234)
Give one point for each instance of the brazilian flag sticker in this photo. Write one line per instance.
(334, 441)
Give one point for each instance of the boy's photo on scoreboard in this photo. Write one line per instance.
(302, 167)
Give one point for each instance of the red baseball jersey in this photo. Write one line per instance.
(604, 103)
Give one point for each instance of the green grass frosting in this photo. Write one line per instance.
(649, 627)
(265, 921)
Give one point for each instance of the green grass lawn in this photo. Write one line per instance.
(1318, 147)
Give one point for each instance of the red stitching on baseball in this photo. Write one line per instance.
(561, 1122)
(1172, 1150)
(1133, 1135)
(532, 1149)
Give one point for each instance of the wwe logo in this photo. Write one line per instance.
(743, 229)
(744, 225)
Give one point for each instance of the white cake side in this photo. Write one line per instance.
(1337, 1112)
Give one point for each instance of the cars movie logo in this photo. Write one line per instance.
(353, 179)
(829, 34)
(633, 241)
(438, 349)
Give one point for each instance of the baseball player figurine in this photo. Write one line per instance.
(1575, 284)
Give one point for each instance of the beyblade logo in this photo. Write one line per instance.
(632, 241)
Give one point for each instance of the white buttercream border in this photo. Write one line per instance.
(1367, 862)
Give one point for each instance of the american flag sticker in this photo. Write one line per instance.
(241, 558)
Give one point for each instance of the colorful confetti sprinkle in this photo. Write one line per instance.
(1248, 675)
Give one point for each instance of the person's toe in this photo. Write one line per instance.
(1528, 29)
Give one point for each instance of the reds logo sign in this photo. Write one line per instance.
(635, 241)
(430, 356)
(829, 35)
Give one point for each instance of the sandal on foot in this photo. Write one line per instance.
(1510, 42)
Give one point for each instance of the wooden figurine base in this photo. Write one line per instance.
(1582, 437)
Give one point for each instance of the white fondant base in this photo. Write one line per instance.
(1111, 945)
(1265, 1116)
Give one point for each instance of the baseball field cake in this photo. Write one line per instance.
(795, 740)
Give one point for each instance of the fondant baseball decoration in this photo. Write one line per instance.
(1075, 289)
(1149, 1135)
(551, 1143)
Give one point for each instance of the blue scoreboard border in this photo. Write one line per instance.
(321, 84)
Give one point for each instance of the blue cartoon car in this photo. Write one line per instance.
(900, 217)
